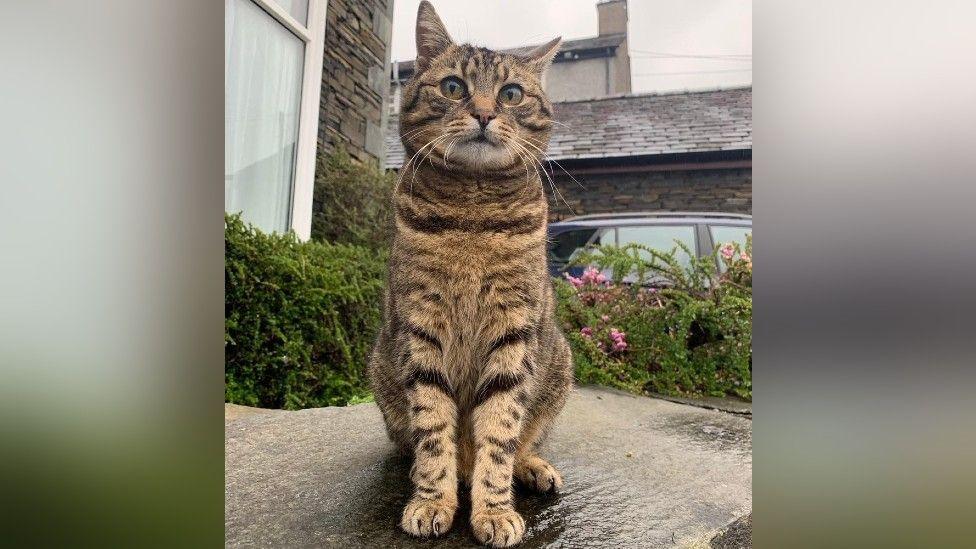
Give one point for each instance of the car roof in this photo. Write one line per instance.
(653, 218)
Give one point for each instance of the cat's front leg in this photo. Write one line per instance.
(433, 423)
(499, 410)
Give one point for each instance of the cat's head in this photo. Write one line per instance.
(473, 108)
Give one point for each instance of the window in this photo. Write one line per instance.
(722, 234)
(564, 245)
(607, 238)
(660, 238)
(272, 80)
(295, 8)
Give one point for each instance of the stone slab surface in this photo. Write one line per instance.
(638, 472)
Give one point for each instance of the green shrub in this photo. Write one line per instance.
(352, 202)
(693, 336)
(300, 318)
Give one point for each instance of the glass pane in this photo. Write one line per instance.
(296, 8)
(562, 246)
(724, 234)
(608, 238)
(660, 238)
(262, 91)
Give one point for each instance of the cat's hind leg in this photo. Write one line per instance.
(531, 470)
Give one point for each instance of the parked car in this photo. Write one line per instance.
(700, 231)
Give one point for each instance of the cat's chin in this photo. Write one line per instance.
(482, 155)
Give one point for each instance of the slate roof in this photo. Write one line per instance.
(575, 46)
(638, 125)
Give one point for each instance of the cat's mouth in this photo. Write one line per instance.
(480, 149)
(484, 138)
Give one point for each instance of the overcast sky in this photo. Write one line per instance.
(698, 27)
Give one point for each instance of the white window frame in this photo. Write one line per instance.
(313, 35)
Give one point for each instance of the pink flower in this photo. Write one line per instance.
(586, 331)
(592, 276)
(727, 250)
(745, 257)
(619, 343)
(573, 280)
(604, 318)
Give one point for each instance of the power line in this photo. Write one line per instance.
(689, 72)
(723, 56)
(707, 55)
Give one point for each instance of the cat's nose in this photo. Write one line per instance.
(483, 117)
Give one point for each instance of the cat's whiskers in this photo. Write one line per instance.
(432, 149)
(432, 144)
(521, 158)
(408, 163)
(450, 149)
(525, 153)
(508, 137)
(563, 124)
(403, 170)
(521, 143)
(521, 155)
(549, 159)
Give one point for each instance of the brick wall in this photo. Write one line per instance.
(354, 77)
(726, 190)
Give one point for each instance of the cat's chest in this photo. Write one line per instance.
(472, 266)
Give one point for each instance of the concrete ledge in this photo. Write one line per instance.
(639, 472)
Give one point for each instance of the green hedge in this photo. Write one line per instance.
(353, 202)
(300, 318)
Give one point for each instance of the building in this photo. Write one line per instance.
(689, 151)
(584, 68)
(301, 77)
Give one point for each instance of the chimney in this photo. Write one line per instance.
(612, 17)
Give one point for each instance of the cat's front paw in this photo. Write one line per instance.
(426, 518)
(498, 527)
(538, 474)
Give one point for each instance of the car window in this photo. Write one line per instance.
(723, 234)
(563, 245)
(607, 238)
(660, 238)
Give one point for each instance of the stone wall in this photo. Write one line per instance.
(355, 80)
(724, 190)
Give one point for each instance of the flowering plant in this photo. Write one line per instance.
(643, 320)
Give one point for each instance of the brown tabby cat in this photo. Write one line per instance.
(470, 369)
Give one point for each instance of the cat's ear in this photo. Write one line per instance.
(540, 57)
(432, 37)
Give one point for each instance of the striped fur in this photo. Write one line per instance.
(470, 369)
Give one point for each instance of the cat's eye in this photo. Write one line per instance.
(510, 95)
(452, 88)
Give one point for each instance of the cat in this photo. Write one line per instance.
(470, 368)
